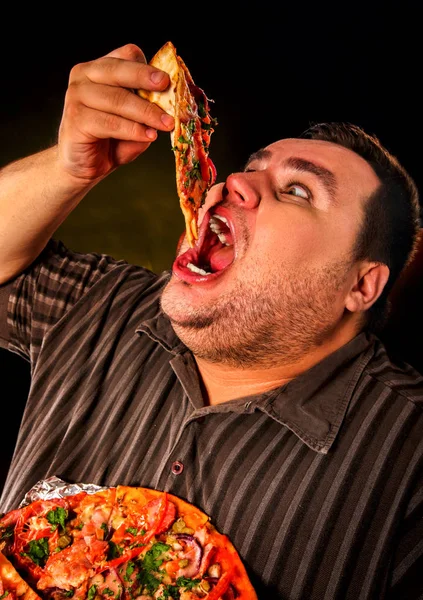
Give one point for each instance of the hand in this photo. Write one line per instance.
(104, 123)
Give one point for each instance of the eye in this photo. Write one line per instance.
(298, 190)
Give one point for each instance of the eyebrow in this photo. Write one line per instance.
(326, 177)
(261, 154)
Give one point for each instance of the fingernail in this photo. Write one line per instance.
(151, 133)
(167, 120)
(157, 76)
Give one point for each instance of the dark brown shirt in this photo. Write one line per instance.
(317, 483)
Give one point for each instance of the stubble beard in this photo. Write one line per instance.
(262, 322)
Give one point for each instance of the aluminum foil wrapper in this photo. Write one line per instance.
(53, 487)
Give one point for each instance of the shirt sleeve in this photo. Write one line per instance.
(5, 290)
(48, 289)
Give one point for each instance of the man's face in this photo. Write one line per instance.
(272, 284)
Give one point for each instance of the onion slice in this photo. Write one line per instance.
(196, 552)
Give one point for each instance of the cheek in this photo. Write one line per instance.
(293, 241)
(299, 236)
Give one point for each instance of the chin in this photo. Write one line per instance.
(185, 302)
(196, 312)
(177, 301)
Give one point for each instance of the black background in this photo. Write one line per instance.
(270, 71)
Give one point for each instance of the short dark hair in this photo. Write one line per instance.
(392, 213)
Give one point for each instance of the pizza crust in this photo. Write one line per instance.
(165, 59)
(11, 581)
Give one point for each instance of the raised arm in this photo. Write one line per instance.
(104, 125)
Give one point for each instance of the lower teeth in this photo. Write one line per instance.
(196, 269)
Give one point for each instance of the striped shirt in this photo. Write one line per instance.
(317, 483)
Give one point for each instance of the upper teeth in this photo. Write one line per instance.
(216, 228)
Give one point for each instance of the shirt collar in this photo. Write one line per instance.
(313, 405)
(158, 327)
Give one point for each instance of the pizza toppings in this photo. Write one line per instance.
(122, 543)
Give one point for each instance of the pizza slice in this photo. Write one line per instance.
(190, 139)
(12, 585)
(192, 552)
(123, 542)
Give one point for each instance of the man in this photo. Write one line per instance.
(249, 381)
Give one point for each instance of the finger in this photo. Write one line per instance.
(120, 101)
(122, 73)
(98, 125)
(128, 52)
(125, 152)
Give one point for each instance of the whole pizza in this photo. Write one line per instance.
(119, 543)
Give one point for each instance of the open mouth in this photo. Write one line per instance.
(213, 252)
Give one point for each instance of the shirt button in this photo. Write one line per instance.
(177, 467)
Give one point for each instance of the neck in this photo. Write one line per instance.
(222, 382)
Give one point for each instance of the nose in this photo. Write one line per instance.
(241, 189)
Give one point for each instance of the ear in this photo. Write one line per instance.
(369, 284)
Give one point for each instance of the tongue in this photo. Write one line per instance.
(221, 258)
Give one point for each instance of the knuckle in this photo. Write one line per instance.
(105, 65)
(76, 72)
(72, 91)
(72, 100)
(121, 97)
(151, 112)
(72, 111)
(135, 131)
(132, 52)
(112, 122)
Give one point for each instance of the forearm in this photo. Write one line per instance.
(104, 125)
(36, 196)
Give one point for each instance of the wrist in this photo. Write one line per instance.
(70, 180)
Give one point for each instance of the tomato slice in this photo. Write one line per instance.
(224, 557)
(213, 171)
(10, 518)
(162, 519)
(221, 587)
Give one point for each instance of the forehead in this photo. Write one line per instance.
(351, 172)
